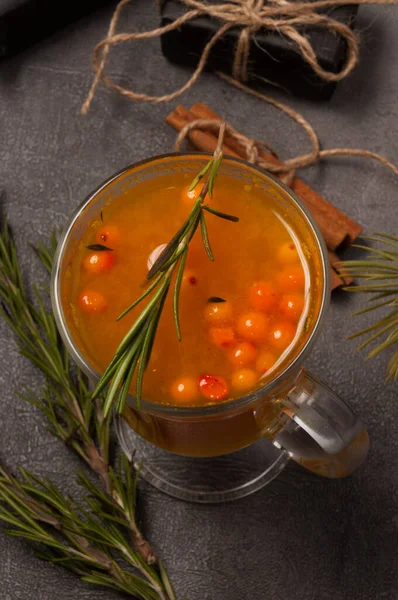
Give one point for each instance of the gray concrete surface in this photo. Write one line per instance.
(302, 538)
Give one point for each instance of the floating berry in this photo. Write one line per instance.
(288, 254)
(218, 313)
(244, 380)
(263, 296)
(189, 197)
(99, 262)
(291, 306)
(213, 387)
(109, 235)
(281, 335)
(222, 337)
(243, 354)
(92, 301)
(291, 279)
(184, 390)
(265, 361)
(253, 326)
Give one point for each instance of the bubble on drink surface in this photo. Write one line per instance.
(154, 255)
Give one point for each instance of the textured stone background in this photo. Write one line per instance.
(301, 538)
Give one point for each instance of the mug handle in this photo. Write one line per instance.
(320, 431)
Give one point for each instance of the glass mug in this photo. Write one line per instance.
(226, 451)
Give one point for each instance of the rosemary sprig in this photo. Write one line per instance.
(380, 273)
(133, 354)
(85, 537)
(66, 402)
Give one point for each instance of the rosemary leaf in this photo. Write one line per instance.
(142, 297)
(375, 238)
(373, 307)
(166, 581)
(200, 175)
(386, 254)
(124, 390)
(123, 368)
(220, 214)
(386, 236)
(205, 236)
(145, 352)
(99, 248)
(369, 265)
(213, 174)
(376, 335)
(177, 289)
(141, 319)
(391, 340)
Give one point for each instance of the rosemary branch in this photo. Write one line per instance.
(379, 270)
(134, 352)
(80, 423)
(84, 538)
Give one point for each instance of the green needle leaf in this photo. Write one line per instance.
(142, 297)
(177, 289)
(200, 175)
(99, 248)
(205, 237)
(220, 214)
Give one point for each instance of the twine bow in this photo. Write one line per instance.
(286, 17)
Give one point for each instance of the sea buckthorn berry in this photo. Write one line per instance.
(253, 326)
(243, 354)
(189, 197)
(218, 313)
(184, 390)
(99, 261)
(288, 254)
(281, 335)
(92, 301)
(222, 337)
(291, 306)
(265, 361)
(213, 387)
(108, 235)
(244, 380)
(291, 279)
(263, 296)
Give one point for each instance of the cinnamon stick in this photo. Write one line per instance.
(337, 229)
(339, 277)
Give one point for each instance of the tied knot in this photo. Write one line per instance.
(251, 14)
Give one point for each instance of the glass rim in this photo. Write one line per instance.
(192, 411)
